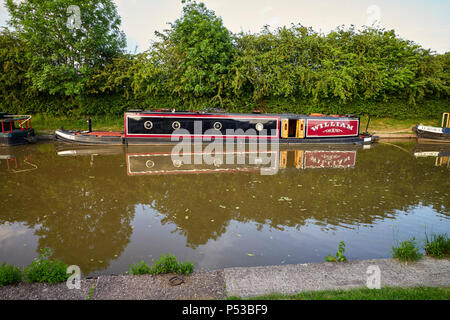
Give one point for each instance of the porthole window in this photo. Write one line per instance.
(148, 125)
(217, 125)
(176, 125)
(259, 126)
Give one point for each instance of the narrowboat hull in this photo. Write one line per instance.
(149, 127)
(97, 138)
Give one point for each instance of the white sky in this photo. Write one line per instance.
(424, 22)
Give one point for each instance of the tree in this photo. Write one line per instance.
(194, 54)
(13, 66)
(66, 43)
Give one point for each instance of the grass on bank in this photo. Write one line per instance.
(390, 125)
(9, 274)
(48, 124)
(165, 264)
(43, 269)
(438, 245)
(387, 293)
(44, 124)
(407, 251)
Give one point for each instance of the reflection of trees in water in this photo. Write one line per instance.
(89, 218)
(384, 180)
(79, 212)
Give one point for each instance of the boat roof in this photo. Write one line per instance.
(290, 115)
(6, 117)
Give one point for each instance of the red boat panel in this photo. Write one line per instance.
(332, 128)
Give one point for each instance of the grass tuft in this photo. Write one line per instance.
(9, 274)
(165, 264)
(438, 245)
(43, 269)
(407, 251)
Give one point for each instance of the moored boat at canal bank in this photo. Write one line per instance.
(169, 127)
(15, 129)
(435, 134)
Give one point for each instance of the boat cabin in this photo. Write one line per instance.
(15, 129)
(288, 128)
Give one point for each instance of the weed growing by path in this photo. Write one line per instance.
(407, 251)
(438, 245)
(165, 264)
(339, 257)
(43, 269)
(9, 274)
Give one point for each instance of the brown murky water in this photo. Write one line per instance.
(106, 208)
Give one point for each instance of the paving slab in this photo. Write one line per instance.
(291, 279)
(203, 285)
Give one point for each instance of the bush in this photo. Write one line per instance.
(165, 264)
(9, 274)
(407, 251)
(45, 270)
(437, 246)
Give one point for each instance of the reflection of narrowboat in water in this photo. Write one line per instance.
(440, 152)
(160, 164)
(195, 163)
(164, 126)
(15, 130)
(162, 161)
(435, 134)
(320, 159)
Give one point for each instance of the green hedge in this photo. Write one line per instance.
(198, 63)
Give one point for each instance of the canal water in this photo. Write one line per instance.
(106, 208)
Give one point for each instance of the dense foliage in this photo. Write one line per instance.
(9, 274)
(43, 269)
(197, 63)
(438, 245)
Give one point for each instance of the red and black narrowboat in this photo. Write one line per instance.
(165, 126)
(15, 130)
